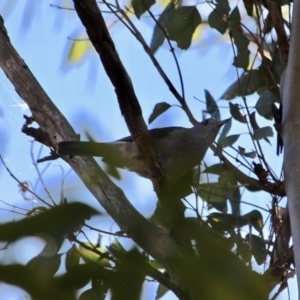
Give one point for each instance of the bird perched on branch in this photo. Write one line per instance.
(179, 149)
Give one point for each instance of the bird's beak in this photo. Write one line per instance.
(224, 122)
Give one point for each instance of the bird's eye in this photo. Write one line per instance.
(205, 122)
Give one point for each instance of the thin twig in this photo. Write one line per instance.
(40, 176)
(17, 180)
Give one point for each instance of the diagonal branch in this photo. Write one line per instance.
(91, 18)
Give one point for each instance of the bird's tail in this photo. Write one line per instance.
(83, 148)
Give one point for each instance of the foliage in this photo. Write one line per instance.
(217, 249)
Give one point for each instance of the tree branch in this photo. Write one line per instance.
(158, 242)
(275, 189)
(91, 17)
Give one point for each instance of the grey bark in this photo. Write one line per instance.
(291, 134)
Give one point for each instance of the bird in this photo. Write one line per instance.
(179, 149)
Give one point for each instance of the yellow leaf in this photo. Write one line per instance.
(91, 255)
(78, 50)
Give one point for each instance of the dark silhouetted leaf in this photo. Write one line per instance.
(37, 285)
(161, 291)
(216, 169)
(181, 24)
(159, 109)
(112, 171)
(211, 105)
(158, 36)
(228, 180)
(236, 114)
(222, 222)
(214, 194)
(216, 21)
(262, 133)
(228, 140)
(264, 104)
(43, 266)
(258, 247)
(243, 152)
(255, 218)
(57, 222)
(140, 6)
(131, 273)
(36, 211)
(92, 294)
(241, 60)
(255, 126)
(226, 129)
(218, 18)
(249, 7)
(253, 122)
(248, 83)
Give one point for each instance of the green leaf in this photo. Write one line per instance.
(228, 140)
(90, 253)
(159, 109)
(128, 280)
(214, 194)
(228, 180)
(264, 104)
(161, 291)
(236, 114)
(155, 264)
(57, 222)
(248, 83)
(72, 258)
(216, 169)
(262, 133)
(140, 6)
(92, 294)
(44, 266)
(222, 222)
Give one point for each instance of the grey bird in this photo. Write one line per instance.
(180, 149)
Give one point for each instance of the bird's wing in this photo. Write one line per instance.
(157, 133)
